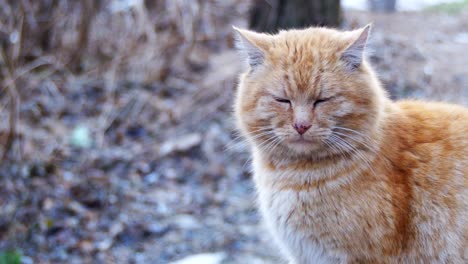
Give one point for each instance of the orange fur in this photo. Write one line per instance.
(372, 181)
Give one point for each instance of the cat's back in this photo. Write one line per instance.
(442, 118)
(430, 137)
(428, 142)
(440, 128)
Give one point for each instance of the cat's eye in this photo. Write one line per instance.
(322, 100)
(282, 100)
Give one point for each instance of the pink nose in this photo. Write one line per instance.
(301, 127)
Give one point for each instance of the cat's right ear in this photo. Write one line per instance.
(252, 45)
(353, 55)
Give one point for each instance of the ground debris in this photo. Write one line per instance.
(134, 158)
(180, 144)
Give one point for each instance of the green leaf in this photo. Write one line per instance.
(10, 257)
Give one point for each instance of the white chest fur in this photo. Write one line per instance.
(277, 209)
(280, 210)
(306, 223)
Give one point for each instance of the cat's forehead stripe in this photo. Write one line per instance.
(302, 75)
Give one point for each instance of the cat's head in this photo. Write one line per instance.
(304, 88)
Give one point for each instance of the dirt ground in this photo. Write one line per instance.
(166, 176)
(424, 54)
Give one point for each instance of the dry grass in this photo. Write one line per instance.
(59, 45)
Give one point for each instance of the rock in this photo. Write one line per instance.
(26, 260)
(180, 144)
(172, 174)
(461, 38)
(163, 209)
(86, 246)
(205, 258)
(80, 137)
(157, 228)
(48, 204)
(105, 244)
(185, 221)
(116, 229)
(143, 167)
(151, 178)
(77, 208)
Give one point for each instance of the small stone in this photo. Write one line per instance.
(77, 207)
(116, 229)
(26, 260)
(461, 38)
(163, 209)
(48, 204)
(151, 178)
(171, 174)
(104, 244)
(180, 144)
(204, 258)
(143, 167)
(157, 229)
(140, 258)
(81, 137)
(185, 221)
(68, 176)
(86, 246)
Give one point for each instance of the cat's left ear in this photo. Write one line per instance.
(252, 44)
(354, 53)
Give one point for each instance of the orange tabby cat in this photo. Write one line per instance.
(345, 175)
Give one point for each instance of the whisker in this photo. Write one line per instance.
(353, 131)
(356, 140)
(273, 145)
(266, 142)
(242, 140)
(332, 146)
(368, 145)
(355, 151)
(338, 145)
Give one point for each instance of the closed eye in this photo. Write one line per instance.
(282, 100)
(322, 100)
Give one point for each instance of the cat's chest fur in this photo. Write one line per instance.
(281, 211)
(320, 225)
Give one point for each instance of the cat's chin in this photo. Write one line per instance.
(303, 145)
(301, 141)
(304, 141)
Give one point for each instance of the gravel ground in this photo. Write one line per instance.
(164, 175)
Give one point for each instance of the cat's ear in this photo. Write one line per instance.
(354, 53)
(253, 45)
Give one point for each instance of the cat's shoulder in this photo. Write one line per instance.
(417, 122)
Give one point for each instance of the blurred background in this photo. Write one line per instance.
(117, 142)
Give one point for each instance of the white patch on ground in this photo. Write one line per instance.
(205, 258)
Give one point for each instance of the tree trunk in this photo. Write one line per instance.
(382, 5)
(271, 15)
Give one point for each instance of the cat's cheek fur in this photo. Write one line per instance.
(343, 108)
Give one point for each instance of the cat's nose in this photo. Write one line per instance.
(301, 127)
